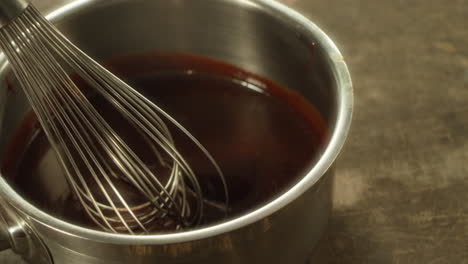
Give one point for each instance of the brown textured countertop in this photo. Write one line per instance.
(402, 180)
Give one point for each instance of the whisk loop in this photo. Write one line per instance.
(97, 161)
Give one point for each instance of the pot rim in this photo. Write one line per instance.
(344, 95)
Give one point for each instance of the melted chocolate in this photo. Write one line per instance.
(263, 136)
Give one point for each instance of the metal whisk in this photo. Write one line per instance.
(97, 161)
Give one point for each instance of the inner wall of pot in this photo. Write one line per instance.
(236, 32)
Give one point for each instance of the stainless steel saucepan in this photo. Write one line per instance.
(261, 36)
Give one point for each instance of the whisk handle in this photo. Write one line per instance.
(10, 9)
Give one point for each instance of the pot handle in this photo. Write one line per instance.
(4, 237)
(17, 234)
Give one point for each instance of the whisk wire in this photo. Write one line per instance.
(89, 77)
(52, 79)
(95, 158)
(167, 145)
